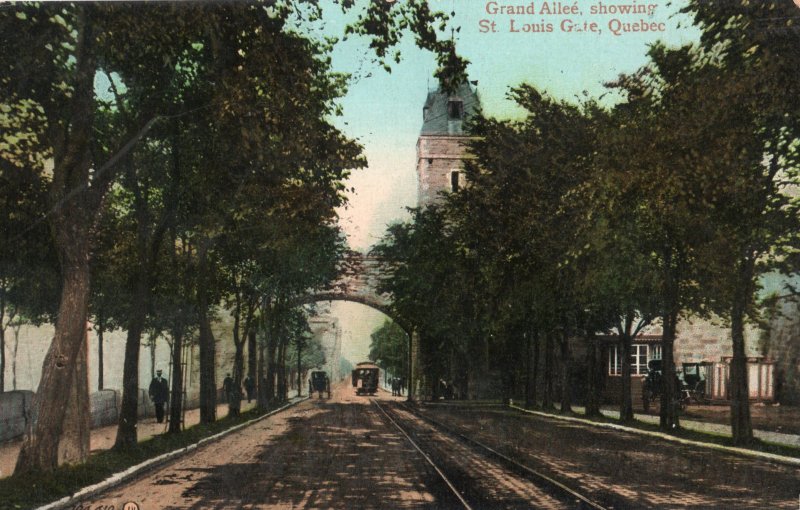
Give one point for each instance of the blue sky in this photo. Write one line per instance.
(384, 110)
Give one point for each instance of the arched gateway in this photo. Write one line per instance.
(441, 151)
(358, 281)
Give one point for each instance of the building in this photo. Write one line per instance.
(697, 341)
(441, 147)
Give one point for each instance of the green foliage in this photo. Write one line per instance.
(389, 348)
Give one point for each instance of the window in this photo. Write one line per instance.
(655, 352)
(640, 355)
(639, 359)
(455, 109)
(454, 181)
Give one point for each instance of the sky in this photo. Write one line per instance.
(384, 110)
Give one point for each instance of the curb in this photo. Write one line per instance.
(142, 467)
(781, 459)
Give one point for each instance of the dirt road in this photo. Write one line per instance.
(345, 453)
(335, 453)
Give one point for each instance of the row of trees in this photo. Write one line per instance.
(389, 348)
(581, 219)
(161, 161)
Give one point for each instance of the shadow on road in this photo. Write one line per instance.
(335, 455)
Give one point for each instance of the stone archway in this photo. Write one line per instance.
(359, 281)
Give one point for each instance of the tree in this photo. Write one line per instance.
(389, 348)
(755, 215)
(28, 264)
(432, 291)
(51, 72)
(520, 215)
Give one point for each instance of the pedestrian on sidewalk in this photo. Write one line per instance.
(249, 387)
(227, 388)
(159, 394)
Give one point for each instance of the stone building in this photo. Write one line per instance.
(697, 341)
(441, 147)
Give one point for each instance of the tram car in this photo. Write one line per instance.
(319, 382)
(365, 378)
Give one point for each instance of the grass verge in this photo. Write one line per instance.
(32, 490)
(757, 445)
(694, 435)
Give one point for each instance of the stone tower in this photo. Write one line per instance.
(441, 146)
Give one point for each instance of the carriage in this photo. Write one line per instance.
(365, 378)
(691, 383)
(319, 382)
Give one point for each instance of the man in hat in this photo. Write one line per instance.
(159, 394)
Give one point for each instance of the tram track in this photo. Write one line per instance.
(478, 475)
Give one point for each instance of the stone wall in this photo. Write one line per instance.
(782, 343)
(15, 413)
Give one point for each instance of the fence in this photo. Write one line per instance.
(760, 374)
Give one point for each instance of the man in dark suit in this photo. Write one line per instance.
(159, 394)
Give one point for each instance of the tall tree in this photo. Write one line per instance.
(755, 213)
(389, 348)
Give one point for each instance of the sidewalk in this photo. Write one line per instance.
(103, 438)
(713, 427)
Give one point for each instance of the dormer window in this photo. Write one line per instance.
(425, 113)
(455, 109)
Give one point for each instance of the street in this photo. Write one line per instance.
(322, 453)
(346, 452)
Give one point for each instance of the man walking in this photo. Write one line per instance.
(159, 394)
(249, 387)
(227, 388)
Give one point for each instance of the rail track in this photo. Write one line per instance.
(476, 475)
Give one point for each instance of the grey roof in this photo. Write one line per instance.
(435, 120)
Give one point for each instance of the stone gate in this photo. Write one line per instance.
(359, 281)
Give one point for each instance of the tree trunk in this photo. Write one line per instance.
(592, 379)
(2, 342)
(566, 373)
(208, 378)
(251, 354)
(741, 426)
(530, 371)
(208, 358)
(670, 405)
(299, 368)
(547, 396)
(235, 401)
(75, 442)
(626, 348)
(14, 357)
(176, 397)
(151, 344)
(129, 412)
(262, 400)
(272, 349)
(100, 331)
(537, 347)
(71, 222)
(61, 372)
(282, 389)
